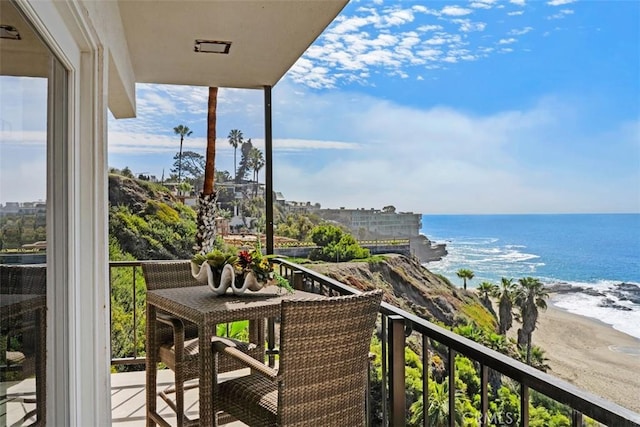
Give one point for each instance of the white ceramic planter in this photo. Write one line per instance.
(199, 272)
(252, 283)
(218, 283)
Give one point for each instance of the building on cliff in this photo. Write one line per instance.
(363, 223)
(375, 223)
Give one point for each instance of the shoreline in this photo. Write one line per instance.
(590, 354)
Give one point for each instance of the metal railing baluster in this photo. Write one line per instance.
(396, 371)
(484, 394)
(581, 403)
(384, 352)
(524, 405)
(425, 380)
(451, 367)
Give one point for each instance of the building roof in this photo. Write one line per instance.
(266, 36)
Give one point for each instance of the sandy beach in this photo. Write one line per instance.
(591, 355)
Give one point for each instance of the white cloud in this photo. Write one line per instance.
(430, 28)
(507, 41)
(455, 11)
(482, 4)
(466, 25)
(562, 14)
(131, 143)
(444, 154)
(521, 31)
(444, 39)
(391, 40)
(397, 17)
(342, 149)
(18, 138)
(559, 2)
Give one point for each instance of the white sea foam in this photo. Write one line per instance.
(589, 306)
(515, 256)
(512, 254)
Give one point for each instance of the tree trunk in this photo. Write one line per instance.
(209, 169)
(506, 316)
(180, 160)
(206, 233)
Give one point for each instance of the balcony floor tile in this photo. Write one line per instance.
(128, 398)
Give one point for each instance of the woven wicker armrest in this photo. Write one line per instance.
(228, 347)
(174, 322)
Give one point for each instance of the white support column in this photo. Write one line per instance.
(91, 289)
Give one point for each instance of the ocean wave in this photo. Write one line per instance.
(489, 251)
(600, 284)
(516, 256)
(626, 321)
(472, 241)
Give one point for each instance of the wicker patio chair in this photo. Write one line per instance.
(21, 279)
(322, 375)
(19, 337)
(172, 333)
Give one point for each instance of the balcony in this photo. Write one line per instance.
(398, 331)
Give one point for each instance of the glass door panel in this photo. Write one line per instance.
(27, 126)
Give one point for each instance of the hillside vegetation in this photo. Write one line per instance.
(148, 222)
(412, 287)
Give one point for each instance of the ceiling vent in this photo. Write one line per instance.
(9, 32)
(212, 46)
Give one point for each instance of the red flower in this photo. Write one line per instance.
(245, 259)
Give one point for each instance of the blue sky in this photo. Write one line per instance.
(485, 106)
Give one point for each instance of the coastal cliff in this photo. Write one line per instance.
(410, 286)
(425, 250)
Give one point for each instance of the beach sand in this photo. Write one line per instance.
(591, 355)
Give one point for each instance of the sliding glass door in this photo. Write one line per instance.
(33, 117)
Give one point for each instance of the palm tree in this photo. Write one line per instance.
(470, 331)
(530, 295)
(486, 289)
(505, 294)
(182, 131)
(206, 232)
(235, 139)
(438, 406)
(185, 188)
(256, 162)
(465, 274)
(539, 358)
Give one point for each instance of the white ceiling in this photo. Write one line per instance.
(267, 37)
(26, 57)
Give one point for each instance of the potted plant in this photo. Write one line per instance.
(257, 271)
(248, 270)
(215, 269)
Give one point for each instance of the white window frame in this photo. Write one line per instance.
(78, 368)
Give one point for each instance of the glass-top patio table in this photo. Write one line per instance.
(201, 306)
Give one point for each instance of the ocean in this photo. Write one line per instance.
(595, 256)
